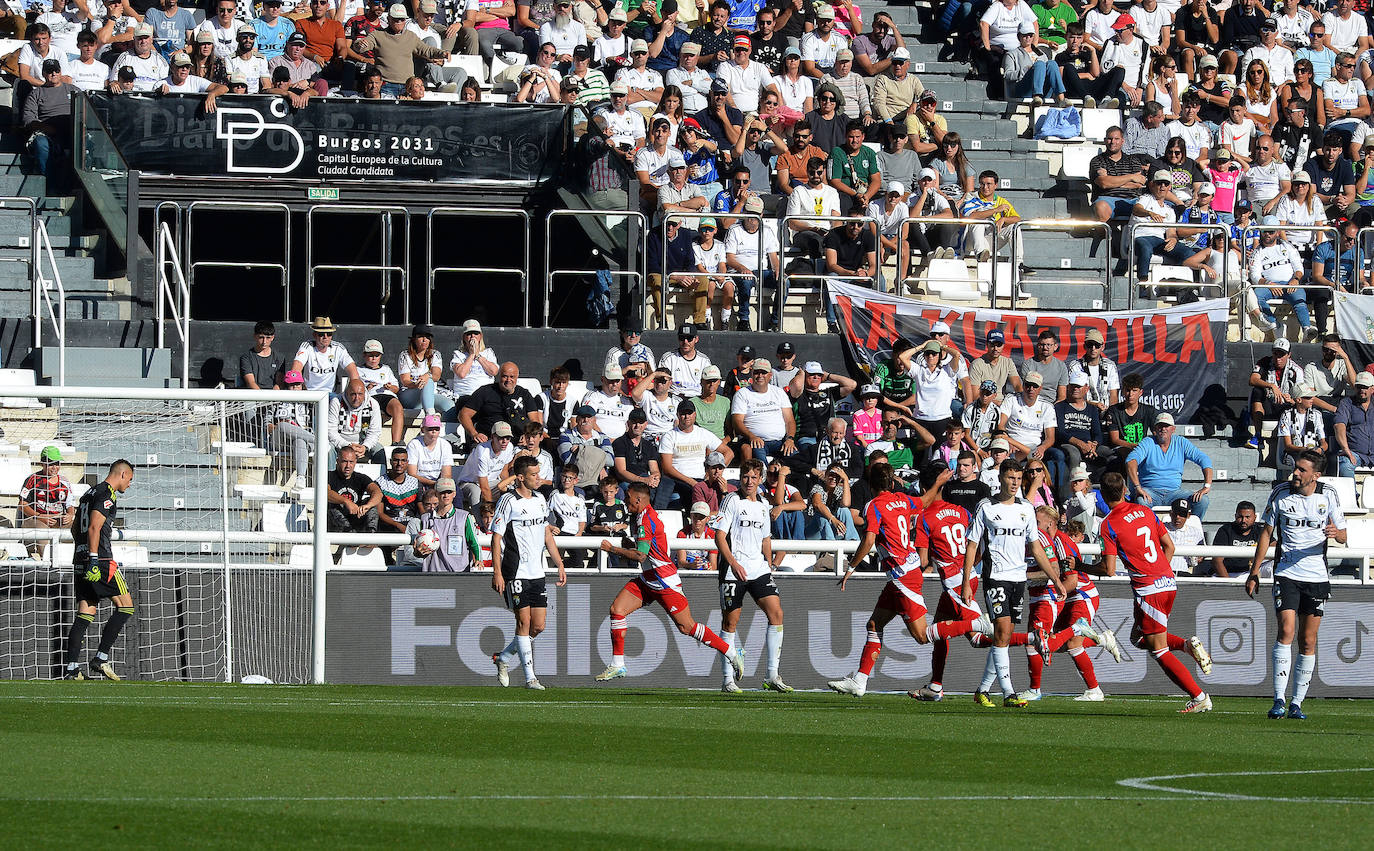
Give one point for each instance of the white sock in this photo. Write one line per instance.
(102, 656)
(617, 661)
(1283, 659)
(861, 678)
(510, 651)
(1306, 665)
(1002, 660)
(526, 655)
(724, 316)
(989, 673)
(727, 671)
(773, 643)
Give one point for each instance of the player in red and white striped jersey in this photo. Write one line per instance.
(892, 518)
(1133, 533)
(658, 583)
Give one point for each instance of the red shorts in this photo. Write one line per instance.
(898, 598)
(1044, 613)
(1077, 608)
(1152, 612)
(952, 608)
(671, 600)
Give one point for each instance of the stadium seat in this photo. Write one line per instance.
(532, 385)
(578, 389)
(13, 550)
(279, 518)
(1097, 121)
(130, 554)
(672, 522)
(1076, 159)
(19, 378)
(473, 65)
(13, 472)
(302, 555)
(362, 558)
(948, 278)
(1345, 491)
(259, 493)
(797, 563)
(372, 471)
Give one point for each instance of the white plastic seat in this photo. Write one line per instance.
(532, 385)
(13, 472)
(672, 523)
(302, 555)
(797, 562)
(1076, 160)
(278, 518)
(18, 378)
(372, 471)
(362, 558)
(1345, 492)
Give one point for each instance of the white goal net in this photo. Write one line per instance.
(216, 553)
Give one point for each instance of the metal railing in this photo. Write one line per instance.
(905, 236)
(785, 244)
(663, 265)
(1363, 237)
(638, 276)
(1244, 314)
(282, 268)
(1069, 226)
(1225, 240)
(386, 268)
(522, 272)
(177, 302)
(29, 207)
(43, 287)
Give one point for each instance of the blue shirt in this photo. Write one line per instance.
(1161, 471)
(169, 34)
(701, 166)
(272, 39)
(666, 60)
(1325, 255)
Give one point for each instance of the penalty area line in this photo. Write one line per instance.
(1154, 784)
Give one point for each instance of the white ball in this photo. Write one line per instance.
(427, 542)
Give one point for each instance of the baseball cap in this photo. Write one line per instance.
(1270, 221)
(637, 416)
(1035, 378)
(612, 371)
(845, 55)
(1207, 62)
(707, 222)
(52, 66)
(720, 86)
(1079, 474)
(372, 346)
(472, 326)
(760, 365)
(619, 89)
(1164, 419)
(895, 187)
(422, 331)
(1221, 154)
(298, 38)
(686, 407)
(676, 160)
(746, 351)
(50, 453)
(743, 41)
(1162, 176)
(928, 96)
(716, 459)
(585, 411)
(618, 14)
(825, 12)
(243, 29)
(293, 377)
(639, 45)
(431, 421)
(687, 332)
(786, 348)
(143, 30)
(429, 7)
(1364, 379)
(1181, 506)
(701, 508)
(1094, 336)
(999, 443)
(445, 485)
(398, 12)
(753, 204)
(691, 48)
(1211, 189)
(238, 78)
(1305, 391)
(711, 373)
(932, 347)
(207, 37)
(792, 51)
(1301, 177)
(813, 367)
(1026, 28)
(1077, 379)
(901, 54)
(940, 328)
(1123, 22)
(582, 51)
(501, 429)
(1282, 344)
(996, 337)
(1269, 24)
(869, 390)
(988, 386)
(929, 173)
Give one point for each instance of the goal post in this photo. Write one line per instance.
(225, 552)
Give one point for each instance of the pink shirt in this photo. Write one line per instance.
(1225, 182)
(868, 425)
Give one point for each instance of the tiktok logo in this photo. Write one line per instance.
(1343, 658)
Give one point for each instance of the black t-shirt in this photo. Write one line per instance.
(827, 133)
(813, 412)
(263, 369)
(1210, 111)
(769, 51)
(1077, 63)
(851, 253)
(1194, 26)
(708, 121)
(1330, 181)
(1229, 536)
(637, 457)
(557, 420)
(490, 406)
(1073, 423)
(102, 499)
(795, 26)
(605, 516)
(1133, 427)
(966, 495)
(354, 487)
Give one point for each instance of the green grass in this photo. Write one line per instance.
(104, 764)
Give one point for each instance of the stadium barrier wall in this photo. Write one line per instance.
(441, 629)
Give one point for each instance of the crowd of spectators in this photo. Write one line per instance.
(682, 424)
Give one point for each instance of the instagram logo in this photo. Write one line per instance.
(1234, 633)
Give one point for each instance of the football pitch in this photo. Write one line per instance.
(155, 765)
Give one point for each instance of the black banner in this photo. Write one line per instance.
(334, 139)
(1180, 352)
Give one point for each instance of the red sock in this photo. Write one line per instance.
(1085, 666)
(1060, 638)
(872, 647)
(703, 634)
(939, 652)
(949, 629)
(1019, 638)
(1088, 642)
(619, 626)
(1176, 643)
(1179, 674)
(978, 639)
(1037, 667)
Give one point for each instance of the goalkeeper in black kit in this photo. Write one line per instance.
(96, 574)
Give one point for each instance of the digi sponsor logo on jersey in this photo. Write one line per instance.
(1345, 645)
(1234, 633)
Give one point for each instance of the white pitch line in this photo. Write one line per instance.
(1148, 784)
(594, 797)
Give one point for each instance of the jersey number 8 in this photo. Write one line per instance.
(516, 586)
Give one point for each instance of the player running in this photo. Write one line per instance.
(659, 583)
(520, 534)
(746, 550)
(1003, 529)
(1066, 621)
(890, 520)
(940, 535)
(1134, 533)
(1302, 517)
(97, 575)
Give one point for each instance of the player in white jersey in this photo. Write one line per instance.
(1301, 518)
(746, 552)
(1003, 532)
(520, 533)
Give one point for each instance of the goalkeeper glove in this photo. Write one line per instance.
(93, 567)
